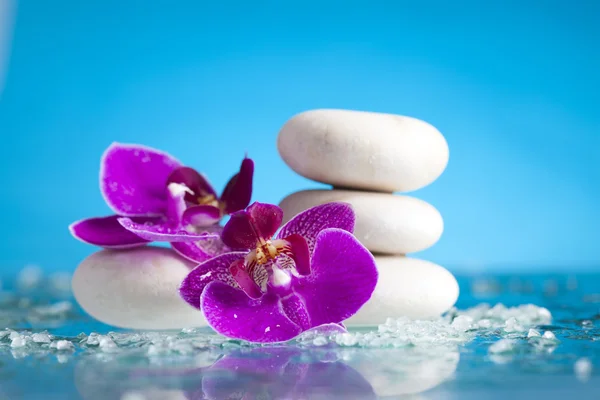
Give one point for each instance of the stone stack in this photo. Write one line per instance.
(367, 157)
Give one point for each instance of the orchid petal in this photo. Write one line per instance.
(205, 249)
(193, 251)
(107, 232)
(162, 231)
(245, 229)
(133, 179)
(176, 202)
(215, 269)
(343, 278)
(238, 191)
(232, 313)
(195, 181)
(201, 216)
(241, 274)
(296, 248)
(309, 223)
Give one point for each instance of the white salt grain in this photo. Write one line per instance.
(462, 323)
(17, 342)
(42, 337)
(62, 345)
(549, 335)
(502, 346)
(512, 325)
(583, 369)
(533, 333)
(320, 341)
(29, 277)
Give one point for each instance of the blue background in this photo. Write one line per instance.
(513, 85)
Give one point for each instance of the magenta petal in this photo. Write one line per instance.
(299, 252)
(196, 182)
(201, 216)
(193, 251)
(266, 218)
(233, 314)
(133, 179)
(238, 191)
(163, 232)
(205, 249)
(343, 278)
(245, 228)
(310, 222)
(242, 277)
(239, 232)
(215, 269)
(107, 232)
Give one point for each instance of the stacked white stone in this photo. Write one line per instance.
(367, 157)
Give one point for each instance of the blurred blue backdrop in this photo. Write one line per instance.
(513, 85)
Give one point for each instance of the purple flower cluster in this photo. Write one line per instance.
(255, 281)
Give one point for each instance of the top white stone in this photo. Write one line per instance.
(363, 150)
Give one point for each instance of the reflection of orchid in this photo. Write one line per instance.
(279, 373)
(313, 272)
(275, 372)
(157, 199)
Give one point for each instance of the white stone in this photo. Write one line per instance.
(363, 150)
(136, 288)
(407, 287)
(385, 223)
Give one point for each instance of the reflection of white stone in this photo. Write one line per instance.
(407, 287)
(135, 288)
(396, 372)
(115, 379)
(385, 223)
(363, 150)
(6, 21)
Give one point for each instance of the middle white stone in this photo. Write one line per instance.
(385, 223)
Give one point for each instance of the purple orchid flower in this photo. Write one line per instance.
(314, 272)
(157, 199)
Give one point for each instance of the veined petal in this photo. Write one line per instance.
(310, 222)
(205, 249)
(242, 274)
(215, 269)
(162, 231)
(195, 181)
(133, 179)
(201, 216)
(107, 232)
(193, 251)
(295, 247)
(245, 229)
(343, 278)
(238, 191)
(232, 313)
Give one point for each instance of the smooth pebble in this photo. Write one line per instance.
(407, 287)
(136, 289)
(385, 223)
(363, 150)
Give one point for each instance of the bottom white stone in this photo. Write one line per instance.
(136, 288)
(407, 287)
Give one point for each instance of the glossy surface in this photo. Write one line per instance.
(453, 358)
